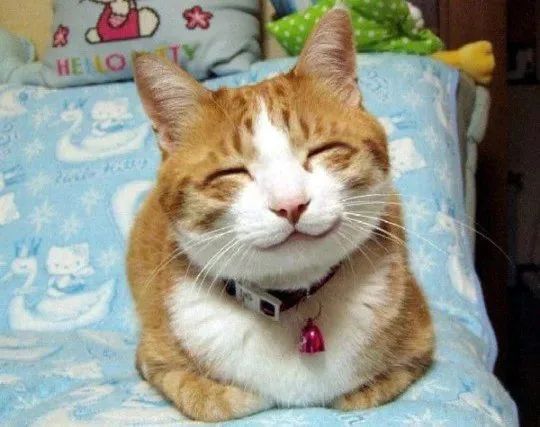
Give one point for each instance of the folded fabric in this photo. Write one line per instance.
(380, 26)
(14, 52)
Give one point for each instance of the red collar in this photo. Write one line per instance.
(272, 302)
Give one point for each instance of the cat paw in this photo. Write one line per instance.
(353, 402)
(233, 403)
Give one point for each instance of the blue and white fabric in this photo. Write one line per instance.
(75, 165)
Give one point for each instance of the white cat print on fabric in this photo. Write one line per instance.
(110, 116)
(67, 267)
(67, 303)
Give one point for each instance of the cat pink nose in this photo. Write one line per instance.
(291, 209)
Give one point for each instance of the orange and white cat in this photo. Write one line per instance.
(271, 187)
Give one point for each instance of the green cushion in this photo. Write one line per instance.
(379, 26)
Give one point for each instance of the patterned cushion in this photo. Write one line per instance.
(379, 26)
(93, 41)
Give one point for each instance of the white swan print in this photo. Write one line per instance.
(440, 103)
(110, 136)
(463, 279)
(126, 202)
(24, 349)
(143, 407)
(67, 304)
(13, 100)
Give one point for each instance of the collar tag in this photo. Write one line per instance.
(257, 300)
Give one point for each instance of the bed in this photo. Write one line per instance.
(67, 359)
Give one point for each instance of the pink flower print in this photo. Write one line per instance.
(60, 37)
(197, 17)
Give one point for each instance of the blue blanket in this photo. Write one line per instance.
(74, 167)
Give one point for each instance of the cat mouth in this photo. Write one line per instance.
(298, 236)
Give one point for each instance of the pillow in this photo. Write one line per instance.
(14, 52)
(380, 26)
(92, 41)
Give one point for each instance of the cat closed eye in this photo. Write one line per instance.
(328, 147)
(225, 173)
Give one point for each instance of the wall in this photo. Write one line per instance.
(525, 159)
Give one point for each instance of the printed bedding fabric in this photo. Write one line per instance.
(75, 165)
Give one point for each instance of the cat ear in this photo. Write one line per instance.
(330, 55)
(169, 95)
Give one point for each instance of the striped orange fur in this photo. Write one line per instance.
(212, 144)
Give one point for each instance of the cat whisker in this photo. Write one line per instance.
(367, 227)
(429, 242)
(224, 266)
(178, 251)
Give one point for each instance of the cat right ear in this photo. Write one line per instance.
(170, 97)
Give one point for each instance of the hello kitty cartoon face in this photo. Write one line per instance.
(117, 110)
(65, 260)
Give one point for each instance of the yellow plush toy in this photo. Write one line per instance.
(476, 59)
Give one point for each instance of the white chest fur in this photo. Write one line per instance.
(246, 348)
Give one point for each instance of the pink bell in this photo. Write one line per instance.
(312, 340)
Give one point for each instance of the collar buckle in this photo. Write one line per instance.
(255, 299)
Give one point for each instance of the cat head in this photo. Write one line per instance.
(266, 180)
(67, 259)
(115, 109)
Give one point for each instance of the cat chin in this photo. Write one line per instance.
(295, 264)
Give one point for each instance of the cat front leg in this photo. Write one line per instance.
(196, 395)
(384, 387)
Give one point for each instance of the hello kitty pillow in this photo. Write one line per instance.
(93, 41)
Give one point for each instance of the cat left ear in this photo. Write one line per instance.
(330, 55)
(170, 97)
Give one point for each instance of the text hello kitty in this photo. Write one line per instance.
(117, 62)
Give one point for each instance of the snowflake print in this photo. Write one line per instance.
(60, 37)
(423, 420)
(109, 258)
(197, 17)
(33, 149)
(113, 90)
(406, 69)
(285, 419)
(41, 215)
(42, 116)
(70, 227)
(423, 261)
(413, 99)
(431, 137)
(90, 200)
(445, 177)
(38, 183)
(426, 419)
(417, 211)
